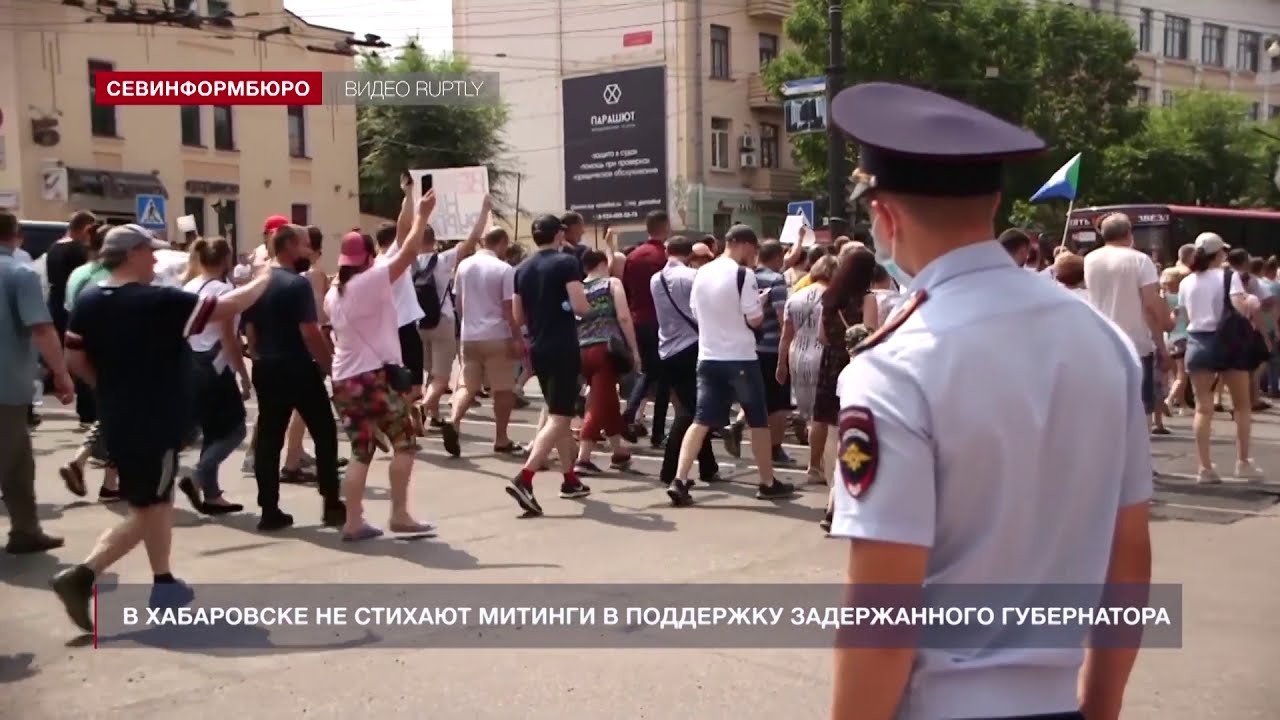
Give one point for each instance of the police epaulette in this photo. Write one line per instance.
(917, 299)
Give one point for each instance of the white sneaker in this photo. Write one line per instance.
(1246, 470)
(1208, 476)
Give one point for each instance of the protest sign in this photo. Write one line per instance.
(460, 194)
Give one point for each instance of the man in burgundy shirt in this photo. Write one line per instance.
(642, 264)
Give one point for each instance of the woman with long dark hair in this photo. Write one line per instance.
(847, 301)
(218, 361)
(369, 381)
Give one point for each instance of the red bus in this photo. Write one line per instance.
(1161, 229)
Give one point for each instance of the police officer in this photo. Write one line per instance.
(960, 461)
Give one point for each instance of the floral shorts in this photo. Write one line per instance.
(366, 403)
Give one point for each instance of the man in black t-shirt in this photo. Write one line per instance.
(548, 299)
(290, 363)
(128, 340)
(61, 259)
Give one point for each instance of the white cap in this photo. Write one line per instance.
(1211, 243)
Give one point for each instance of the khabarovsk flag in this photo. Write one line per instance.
(1063, 184)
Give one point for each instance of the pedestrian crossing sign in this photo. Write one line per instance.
(150, 211)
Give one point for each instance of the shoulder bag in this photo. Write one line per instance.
(399, 378)
(1240, 345)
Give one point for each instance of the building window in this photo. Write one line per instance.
(300, 214)
(1144, 30)
(102, 118)
(1213, 45)
(194, 206)
(1166, 98)
(720, 143)
(224, 136)
(1255, 111)
(1144, 95)
(768, 49)
(191, 126)
(1247, 51)
(720, 223)
(1176, 42)
(297, 131)
(769, 146)
(227, 211)
(1273, 112)
(720, 52)
(218, 8)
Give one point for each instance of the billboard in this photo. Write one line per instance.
(805, 114)
(615, 144)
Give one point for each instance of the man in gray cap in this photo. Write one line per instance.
(932, 499)
(127, 339)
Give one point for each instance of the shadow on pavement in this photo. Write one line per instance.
(15, 668)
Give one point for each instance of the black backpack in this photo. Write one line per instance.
(424, 285)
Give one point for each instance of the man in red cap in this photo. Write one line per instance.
(262, 254)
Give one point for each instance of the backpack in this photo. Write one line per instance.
(424, 286)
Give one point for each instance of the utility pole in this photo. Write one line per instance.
(837, 173)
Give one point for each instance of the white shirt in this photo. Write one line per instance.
(170, 266)
(1115, 276)
(1201, 294)
(403, 297)
(212, 332)
(485, 284)
(722, 312)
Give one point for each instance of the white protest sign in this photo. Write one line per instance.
(187, 223)
(460, 194)
(790, 234)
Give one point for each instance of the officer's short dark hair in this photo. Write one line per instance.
(656, 220)
(770, 250)
(385, 235)
(1014, 240)
(741, 234)
(8, 226)
(81, 220)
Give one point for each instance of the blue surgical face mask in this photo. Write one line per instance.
(884, 256)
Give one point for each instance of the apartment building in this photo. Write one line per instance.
(703, 139)
(1228, 45)
(230, 167)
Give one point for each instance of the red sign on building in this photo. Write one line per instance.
(635, 39)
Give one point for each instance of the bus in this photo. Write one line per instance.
(1160, 230)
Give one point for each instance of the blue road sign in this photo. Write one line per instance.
(150, 211)
(803, 207)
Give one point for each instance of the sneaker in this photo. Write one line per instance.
(1246, 470)
(296, 476)
(1208, 476)
(775, 491)
(713, 479)
(74, 587)
(173, 594)
(108, 495)
(31, 543)
(573, 490)
(733, 439)
(586, 467)
(274, 519)
(334, 513)
(679, 493)
(523, 495)
(780, 457)
(449, 433)
(620, 462)
(73, 477)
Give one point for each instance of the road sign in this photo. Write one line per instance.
(803, 207)
(150, 212)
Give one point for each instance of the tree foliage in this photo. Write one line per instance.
(1063, 71)
(395, 138)
(1202, 150)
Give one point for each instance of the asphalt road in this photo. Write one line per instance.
(1220, 543)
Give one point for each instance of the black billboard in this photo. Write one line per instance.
(615, 144)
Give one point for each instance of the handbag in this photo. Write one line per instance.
(1241, 345)
(620, 355)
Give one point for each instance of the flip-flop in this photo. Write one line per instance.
(366, 532)
(421, 528)
(73, 478)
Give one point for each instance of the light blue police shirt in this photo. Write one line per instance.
(1010, 431)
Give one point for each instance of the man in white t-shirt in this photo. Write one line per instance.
(727, 308)
(492, 341)
(1124, 285)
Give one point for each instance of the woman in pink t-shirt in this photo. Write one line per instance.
(366, 358)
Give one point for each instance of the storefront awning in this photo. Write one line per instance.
(113, 184)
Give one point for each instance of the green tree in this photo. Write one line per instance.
(395, 138)
(1064, 72)
(1202, 150)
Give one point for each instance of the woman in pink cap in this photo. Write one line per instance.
(367, 366)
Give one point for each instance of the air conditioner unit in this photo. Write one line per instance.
(747, 159)
(747, 142)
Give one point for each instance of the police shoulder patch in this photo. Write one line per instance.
(859, 449)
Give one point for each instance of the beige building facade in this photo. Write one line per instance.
(728, 157)
(230, 167)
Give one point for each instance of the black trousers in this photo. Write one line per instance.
(652, 377)
(86, 406)
(681, 371)
(283, 387)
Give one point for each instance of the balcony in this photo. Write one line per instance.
(758, 96)
(775, 183)
(769, 9)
